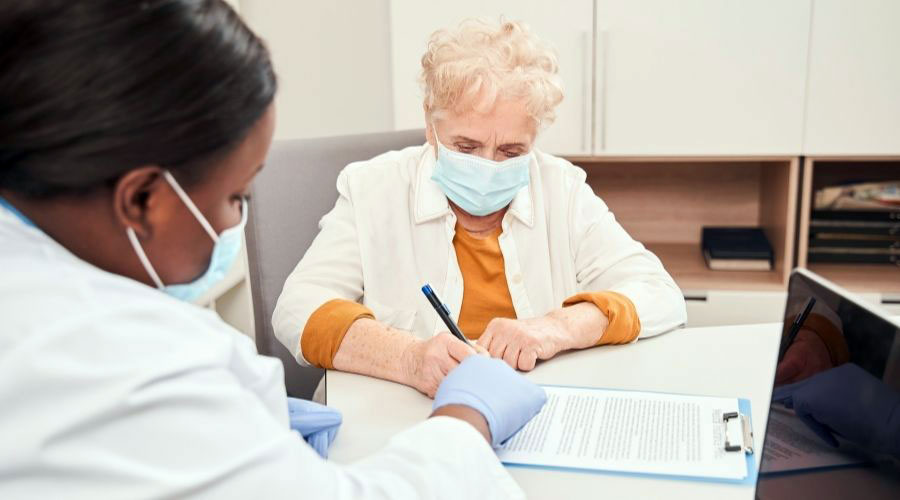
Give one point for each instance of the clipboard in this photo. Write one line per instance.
(738, 433)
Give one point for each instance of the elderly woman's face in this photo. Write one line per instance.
(505, 132)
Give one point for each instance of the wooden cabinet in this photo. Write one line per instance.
(665, 202)
(566, 25)
(853, 95)
(700, 76)
(819, 172)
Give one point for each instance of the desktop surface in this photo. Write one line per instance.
(728, 361)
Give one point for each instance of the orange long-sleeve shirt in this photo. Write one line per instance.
(485, 297)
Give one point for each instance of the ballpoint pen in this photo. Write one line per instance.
(444, 313)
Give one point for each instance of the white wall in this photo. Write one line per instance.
(332, 58)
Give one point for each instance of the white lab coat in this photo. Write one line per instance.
(111, 389)
(391, 231)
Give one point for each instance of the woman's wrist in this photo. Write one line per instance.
(410, 361)
(584, 324)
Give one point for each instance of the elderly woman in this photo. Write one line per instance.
(527, 258)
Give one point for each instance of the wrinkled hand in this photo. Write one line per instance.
(847, 401)
(318, 424)
(806, 357)
(520, 343)
(427, 362)
(506, 399)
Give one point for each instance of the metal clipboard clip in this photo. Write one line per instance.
(746, 432)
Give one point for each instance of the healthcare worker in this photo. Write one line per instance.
(130, 131)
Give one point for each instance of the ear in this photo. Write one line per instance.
(429, 126)
(138, 193)
(429, 131)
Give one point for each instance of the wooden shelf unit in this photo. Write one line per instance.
(664, 203)
(824, 171)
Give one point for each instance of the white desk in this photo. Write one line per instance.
(734, 361)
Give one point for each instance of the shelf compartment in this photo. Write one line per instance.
(825, 171)
(686, 264)
(665, 202)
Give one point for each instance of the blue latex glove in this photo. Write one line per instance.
(318, 424)
(506, 399)
(849, 402)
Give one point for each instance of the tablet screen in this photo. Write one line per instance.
(832, 430)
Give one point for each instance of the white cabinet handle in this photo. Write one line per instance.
(587, 90)
(695, 295)
(603, 56)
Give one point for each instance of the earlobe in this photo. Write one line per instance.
(135, 195)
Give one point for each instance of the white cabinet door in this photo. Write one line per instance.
(724, 307)
(565, 25)
(893, 309)
(700, 76)
(853, 104)
(332, 61)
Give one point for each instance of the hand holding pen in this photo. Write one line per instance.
(426, 362)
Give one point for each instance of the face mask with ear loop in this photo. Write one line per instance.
(478, 185)
(225, 250)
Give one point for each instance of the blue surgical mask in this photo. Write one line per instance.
(225, 251)
(478, 185)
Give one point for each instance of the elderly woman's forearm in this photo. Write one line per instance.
(374, 349)
(595, 318)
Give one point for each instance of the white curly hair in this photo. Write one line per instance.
(480, 62)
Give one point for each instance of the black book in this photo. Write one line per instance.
(736, 249)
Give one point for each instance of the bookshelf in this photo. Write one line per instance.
(664, 202)
(822, 171)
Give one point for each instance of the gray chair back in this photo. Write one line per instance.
(290, 196)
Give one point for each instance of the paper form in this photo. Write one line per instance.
(626, 431)
(792, 446)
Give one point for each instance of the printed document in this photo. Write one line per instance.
(631, 432)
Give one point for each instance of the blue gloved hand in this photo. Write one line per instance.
(849, 402)
(318, 424)
(506, 399)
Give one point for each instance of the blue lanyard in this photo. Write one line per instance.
(15, 211)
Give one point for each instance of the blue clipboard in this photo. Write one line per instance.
(749, 480)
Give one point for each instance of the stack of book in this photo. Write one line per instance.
(856, 224)
(855, 236)
(736, 249)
